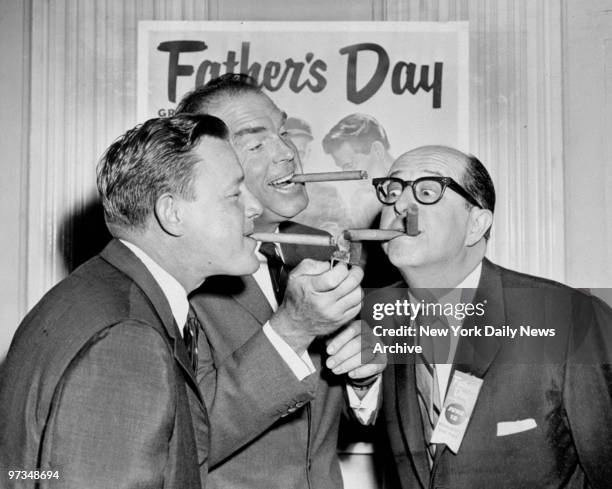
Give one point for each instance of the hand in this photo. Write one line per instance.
(317, 302)
(351, 351)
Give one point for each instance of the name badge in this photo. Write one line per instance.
(457, 410)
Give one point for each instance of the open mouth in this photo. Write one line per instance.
(283, 182)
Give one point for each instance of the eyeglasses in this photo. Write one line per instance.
(426, 190)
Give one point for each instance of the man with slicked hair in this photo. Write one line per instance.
(359, 142)
(516, 394)
(268, 345)
(98, 389)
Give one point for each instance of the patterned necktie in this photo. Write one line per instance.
(191, 332)
(277, 268)
(428, 393)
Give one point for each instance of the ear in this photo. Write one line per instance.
(378, 149)
(480, 221)
(168, 214)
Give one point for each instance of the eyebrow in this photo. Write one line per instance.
(249, 130)
(257, 129)
(433, 172)
(234, 183)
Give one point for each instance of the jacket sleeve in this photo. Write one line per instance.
(113, 413)
(588, 391)
(247, 391)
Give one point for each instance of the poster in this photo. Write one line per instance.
(357, 94)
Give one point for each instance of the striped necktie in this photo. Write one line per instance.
(191, 332)
(428, 393)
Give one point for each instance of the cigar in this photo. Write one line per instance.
(298, 239)
(331, 176)
(412, 221)
(371, 234)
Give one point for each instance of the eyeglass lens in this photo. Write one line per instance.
(425, 191)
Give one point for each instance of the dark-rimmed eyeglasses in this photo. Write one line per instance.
(426, 190)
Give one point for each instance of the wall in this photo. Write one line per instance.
(515, 119)
(14, 137)
(587, 102)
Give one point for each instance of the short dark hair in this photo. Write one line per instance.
(149, 160)
(231, 84)
(359, 130)
(479, 184)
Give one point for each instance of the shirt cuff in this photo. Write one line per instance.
(365, 409)
(301, 366)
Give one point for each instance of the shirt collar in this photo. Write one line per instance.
(172, 289)
(471, 281)
(465, 291)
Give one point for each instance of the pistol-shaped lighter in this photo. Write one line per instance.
(344, 251)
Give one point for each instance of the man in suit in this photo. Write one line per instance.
(98, 389)
(279, 388)
(543, 413)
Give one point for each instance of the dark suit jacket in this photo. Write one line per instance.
(97, 385)
(268, 430)
(563, 383)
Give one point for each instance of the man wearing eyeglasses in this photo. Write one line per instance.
(483, 407)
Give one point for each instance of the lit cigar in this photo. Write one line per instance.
(331, 176)
(298, 239)
(412, 221)
(371, 234)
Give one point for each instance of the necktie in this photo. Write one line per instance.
(428, 392)
(277, 268)
(190, 336)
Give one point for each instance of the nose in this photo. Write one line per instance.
(252, 206)
(405, 201)
(285, 151)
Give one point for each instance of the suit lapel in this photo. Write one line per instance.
(123, 259)
(407, 404)
(476, 354)
(409, 415)
(253, 300)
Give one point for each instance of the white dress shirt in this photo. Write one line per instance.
(172, 289)
(301, 366)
